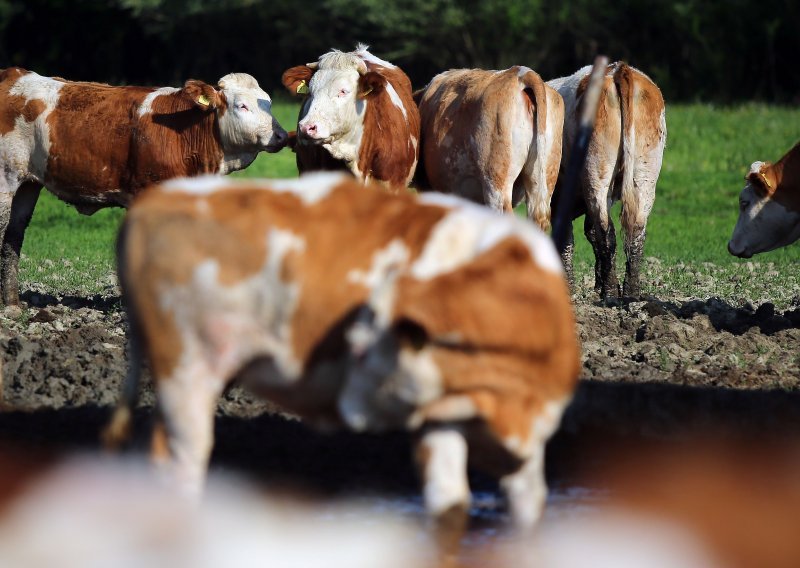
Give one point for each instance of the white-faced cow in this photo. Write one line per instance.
(347, 305)
(96, 146)
(358, 115)
(623, 163)
(769, 207)
(493, 137)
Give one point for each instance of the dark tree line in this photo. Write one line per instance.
(694, 49)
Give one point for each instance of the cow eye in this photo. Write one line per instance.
(243, 106)
(343, 92)
(743, 205)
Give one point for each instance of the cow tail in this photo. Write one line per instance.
(624, 81)
(118, 430)
(535, 89)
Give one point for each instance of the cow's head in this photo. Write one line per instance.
(336, 90)
(246, 123)
(764, 223)
(425, 345)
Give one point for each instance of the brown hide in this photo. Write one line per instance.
(100, 143)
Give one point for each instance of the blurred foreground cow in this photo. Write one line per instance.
(346, 305)
(358, 116)
(769, 207)
(493, 137)
(623, 163)
(96, 146)
(91, 512)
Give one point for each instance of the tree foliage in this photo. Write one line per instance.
(736, 50)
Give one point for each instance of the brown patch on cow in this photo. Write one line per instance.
(14, 106)
(502, 331)
(99, 142)
(781, 180)
(232, 230)
(386, 151)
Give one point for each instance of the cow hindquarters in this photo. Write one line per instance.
(15, 214)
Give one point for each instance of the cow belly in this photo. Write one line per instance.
(91, 201)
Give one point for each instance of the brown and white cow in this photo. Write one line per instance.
(346, 305)
(493, 137)
(769, 207)
(96, 146)
(358, 115)
(623, 163)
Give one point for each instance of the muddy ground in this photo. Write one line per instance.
(652, 368)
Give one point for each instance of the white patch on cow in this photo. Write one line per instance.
(228, 325)
(395, 98)
(25, 150)
(362, 51)
(147, 104)
(310, 188)
(755, 167)
(469, 230)
(200, 185)
(389, 259)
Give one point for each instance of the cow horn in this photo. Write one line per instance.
(313, 65)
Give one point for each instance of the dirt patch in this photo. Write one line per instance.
(70, 352)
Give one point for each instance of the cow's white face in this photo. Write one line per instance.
(248, 125)
(333, 109)
(763, 224)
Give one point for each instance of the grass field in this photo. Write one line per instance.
(708, 152)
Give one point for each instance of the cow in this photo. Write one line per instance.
(358, 115)
(493, 137)
(623, 163)
(769, 207)
(349, 306)
(96, 145)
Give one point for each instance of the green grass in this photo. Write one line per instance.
(709, 149)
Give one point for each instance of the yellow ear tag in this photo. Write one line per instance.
(302, 88)
(365, 93)
(203, 100)
(766, 181)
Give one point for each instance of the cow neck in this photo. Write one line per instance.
(785, 174)
(235, 162)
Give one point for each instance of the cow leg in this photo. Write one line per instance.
(634, 247)
(526, 489)
(599, 229)
(22, 206)
(441, 455)
(634, 215)
(6, 199)
(187, 402)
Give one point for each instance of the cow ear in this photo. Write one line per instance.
(759, 178)
(296, 79)
(204, 96)
(370, 83)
